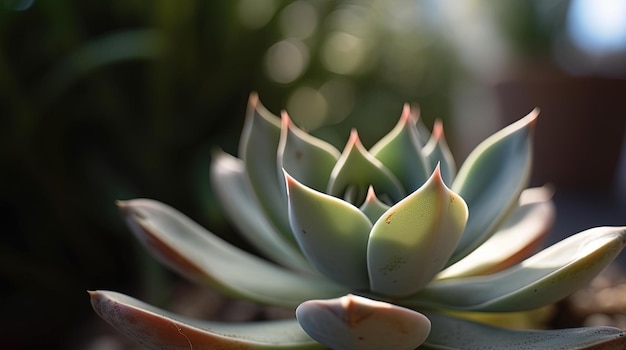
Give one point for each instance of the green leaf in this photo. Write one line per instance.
(331, 233)
(354, 322)
(373, 207)
(491, 180)
(450, 333)
(306, 158)
(233, 190)
(542, 279)
(258, 148)
(357, 168)
(196, 253)
(400, 151)
(158, 329)
(519, 236)
(412, 241)
(438, 152)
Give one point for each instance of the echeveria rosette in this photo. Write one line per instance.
(370, 245)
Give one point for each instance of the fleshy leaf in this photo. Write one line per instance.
(515, 240)
(412, 241)
(354, 322)
(491, 180)
(542, 279)
(331, 233)
(258, 148)
(373, 207)
(233, 190)
(159, 329)
(400, 151)
(358, 168)
(196, 253)
(438, 152)
(455, 334)
(307, 158)
(423, 132)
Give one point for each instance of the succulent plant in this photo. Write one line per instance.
(374, 249)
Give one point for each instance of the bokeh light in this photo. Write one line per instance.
(299, 20)
(598, 26)
(286, 60)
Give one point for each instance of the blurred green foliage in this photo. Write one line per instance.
(120, 99)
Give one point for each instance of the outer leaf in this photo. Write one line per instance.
(159, 329)
(353, 322)
(542, 279)
(186, 247)
(373, 208)
(455, 334)
(412, 241)
(307, 158)
(515, 240)
(331, 233)
(357, 167)
(491, 180)
(438, 152)
(400, 152)
(258, 148)
(230, 182)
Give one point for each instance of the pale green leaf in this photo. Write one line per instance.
(196, 253)
(258, 148)
(331, 233)
(306, 158)
(373, 207)
(354, 322)
(517, 238)
(450, 333)
(233, 190)
(411, 242)
(438, 152)
(542, 279)
(401, 152)
(158, 329)
(491, 180)
(357, 170)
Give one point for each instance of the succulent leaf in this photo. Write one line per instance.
(331, 233)
(231, 185)
(412, 241)
(307, 158)
(357, 167)
(189, 249)
(400, 151)
(529, 223)
(258, 147)
(544, 278)
(353, 322)
(438, 152)
(159, 329)
(373, 207)
(455, 334)
(491, 180)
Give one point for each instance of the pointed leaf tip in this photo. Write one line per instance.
(491, 180)
(412, 241)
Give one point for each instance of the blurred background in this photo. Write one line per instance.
(121, 99)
